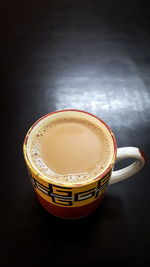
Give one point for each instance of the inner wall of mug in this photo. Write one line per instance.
(74, 114)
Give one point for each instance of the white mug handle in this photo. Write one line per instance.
(128, 152)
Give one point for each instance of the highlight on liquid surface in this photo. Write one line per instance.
(70, 150)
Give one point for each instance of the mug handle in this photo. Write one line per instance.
(128, 152)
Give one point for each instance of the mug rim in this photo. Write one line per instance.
(36, 173)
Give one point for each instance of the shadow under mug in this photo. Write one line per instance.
(79, 200)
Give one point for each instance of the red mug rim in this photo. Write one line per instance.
(61, 184)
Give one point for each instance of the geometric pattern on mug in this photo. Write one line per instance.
(64, 196)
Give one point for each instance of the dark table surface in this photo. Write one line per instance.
(90, 55)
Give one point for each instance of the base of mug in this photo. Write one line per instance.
(70, 212)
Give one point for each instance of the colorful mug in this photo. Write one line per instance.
(79, 200)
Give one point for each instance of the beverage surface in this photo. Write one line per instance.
(70, 150)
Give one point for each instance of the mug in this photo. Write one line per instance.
(79, 200)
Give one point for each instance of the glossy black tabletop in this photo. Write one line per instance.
(90, 55)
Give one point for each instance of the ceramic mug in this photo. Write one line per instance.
(79, 200)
